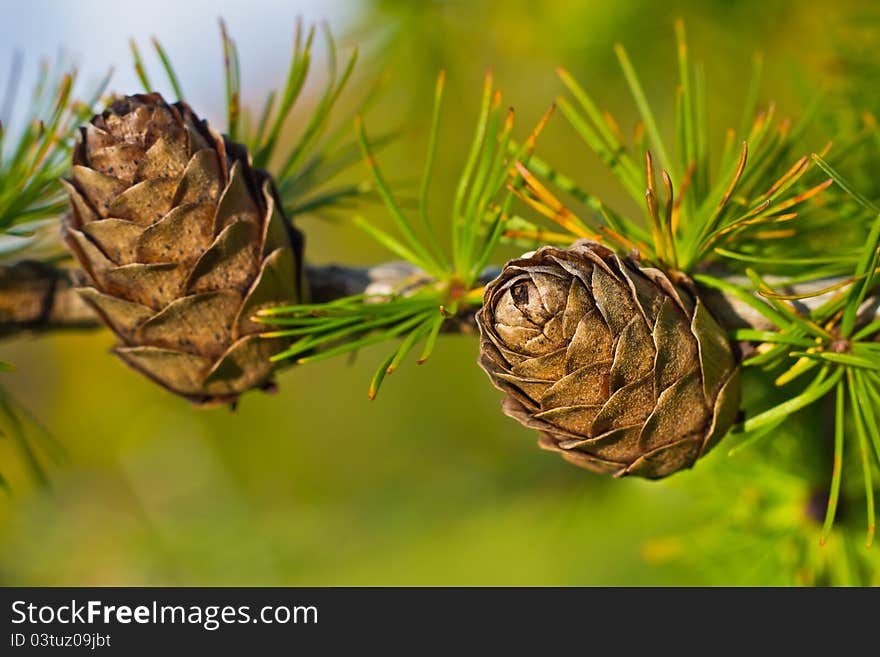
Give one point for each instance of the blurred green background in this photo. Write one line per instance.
(430, 483)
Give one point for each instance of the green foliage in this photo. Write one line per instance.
(743, 208)
(27, 447)
(34, 158)
(763, 517)
(303, 168)
(32, 162)
(835, 348)
(417, 313)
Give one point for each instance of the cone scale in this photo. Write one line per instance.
(181, 241)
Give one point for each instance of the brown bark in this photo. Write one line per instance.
(37, 297)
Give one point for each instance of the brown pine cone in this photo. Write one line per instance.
(621, 371)
(182, 241)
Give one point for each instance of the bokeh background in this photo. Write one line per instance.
(430, 483)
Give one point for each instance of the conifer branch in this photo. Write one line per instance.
(39, 297)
